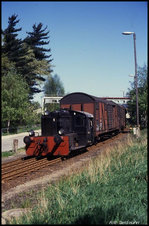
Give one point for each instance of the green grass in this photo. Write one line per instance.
(111, 190)
(7, 154)
(11, 152)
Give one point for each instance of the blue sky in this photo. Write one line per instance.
(89, 52)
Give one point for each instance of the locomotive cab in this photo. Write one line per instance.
(57, 122)
(83, 126)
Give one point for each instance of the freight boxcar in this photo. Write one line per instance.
(108, 116)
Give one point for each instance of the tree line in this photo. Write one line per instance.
(26, 64)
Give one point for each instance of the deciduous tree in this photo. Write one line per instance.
(54, 86)
(14, 97)
(142, 98)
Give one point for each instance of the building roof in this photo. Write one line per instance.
(116, 98)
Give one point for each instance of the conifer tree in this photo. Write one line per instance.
(28, 56)
(11, 44)
(35, 40)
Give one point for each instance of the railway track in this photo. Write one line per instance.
(22, 167)
(105, 141)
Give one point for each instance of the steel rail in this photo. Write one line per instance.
(20, 165)
(27, 169)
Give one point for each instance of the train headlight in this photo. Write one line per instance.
(61, 132)
(31, 133)
(46, 112)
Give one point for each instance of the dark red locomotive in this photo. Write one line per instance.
(81, 120)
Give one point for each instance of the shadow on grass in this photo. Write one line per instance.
(100, 217)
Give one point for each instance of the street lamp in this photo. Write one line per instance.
(135, 80)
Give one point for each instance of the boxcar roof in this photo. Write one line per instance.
(80, 98)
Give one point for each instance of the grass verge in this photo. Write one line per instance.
(11, 152)
(111, 190)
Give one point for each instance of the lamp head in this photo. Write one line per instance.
(127, 33)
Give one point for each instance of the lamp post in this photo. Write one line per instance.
(135, 81)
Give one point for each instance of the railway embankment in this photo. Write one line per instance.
(110, 189)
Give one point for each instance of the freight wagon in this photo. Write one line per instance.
(108, 116)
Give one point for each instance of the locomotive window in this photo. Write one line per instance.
(79, 121)
(64, 123)
(91, 123)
